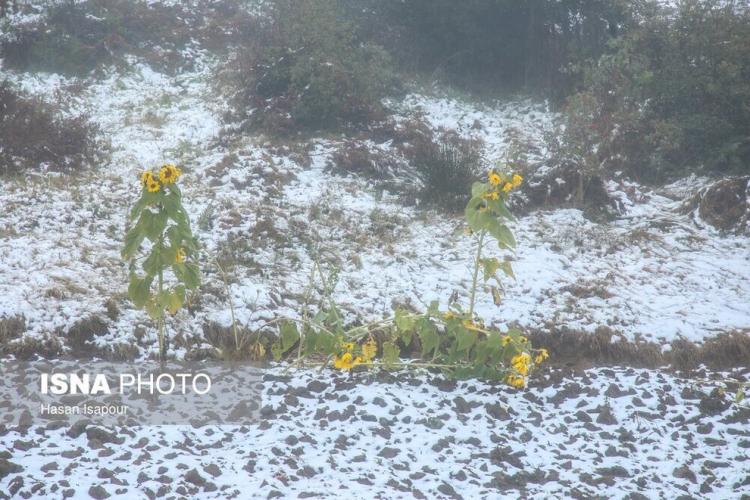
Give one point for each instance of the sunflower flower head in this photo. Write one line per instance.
(169, 173)
(180, 256)
(516, 181)
(494, 178)
(516, 381)
(146, 177)
(345, 362)
(153, 186)
(369, 350)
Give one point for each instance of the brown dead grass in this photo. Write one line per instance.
(577, 349)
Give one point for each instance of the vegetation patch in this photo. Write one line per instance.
(448, 165)
(33, 134)
(725, 204)
(75, 38)
(563, 186)
(306, 69)
(11, 327)
(671, 97)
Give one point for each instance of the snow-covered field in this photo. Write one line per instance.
(269, 213)
(604, 433)
(650, 273)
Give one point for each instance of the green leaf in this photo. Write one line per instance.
(501, 233)
(288, 335)
(154, 224)
(325, 343)
(311, 341)
(155, 262)
(276, 350)
(428, 337)
(404, 320)
(154, 310)
(740, 395)
(507, 269)
(176, 299)
(138, 207)
(465, 339)
(390, 354)
(139, 290)
(478, 189)
(490, 267)
(133, 240)
(188, 274)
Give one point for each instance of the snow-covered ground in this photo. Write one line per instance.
(650, 273)
(268, 213)
(602, 433)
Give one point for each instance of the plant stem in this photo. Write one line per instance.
(237, 344)
(162, 341)
(473, 295)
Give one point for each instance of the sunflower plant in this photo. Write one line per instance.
(454, 340)
(160, 249)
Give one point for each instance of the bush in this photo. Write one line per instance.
(32, 134)
(673, 96)
(74, 37)
(307, 69)
(448, 164)
(491, 44)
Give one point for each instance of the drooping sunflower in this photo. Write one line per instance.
(180, 256)
(516, 381)
(346, 361)
(516, 181)
(146, 178)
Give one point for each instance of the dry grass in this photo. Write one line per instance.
(33, 133)
(579, 349)
(11, 328)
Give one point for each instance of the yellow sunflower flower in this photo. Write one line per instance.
(541, 356)
(521, 362)
(507, 187)
(146, 178)
(515, 381)
(345, 362)
(516, 181)
(181, 256)
(153, 186)
(369, 350)
(494, 178)
(169, 173)
(492, 195)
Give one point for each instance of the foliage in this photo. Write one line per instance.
(159, 218)
(497, 43)
(306, 69)
(455, 341)
(448, 165)
(34, 134)
(76, 37)
(672, 96)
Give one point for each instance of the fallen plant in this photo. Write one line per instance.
(455, 341)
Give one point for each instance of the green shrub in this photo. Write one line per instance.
(448, 165)
(307, 69)
(33, 134)
(486, 45)
(673, 96)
